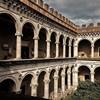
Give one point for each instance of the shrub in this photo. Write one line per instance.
(86, 90)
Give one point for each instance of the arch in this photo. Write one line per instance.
(53, 44)
(29, 21)
(42, 49)
(97, 74)
(97, 48)
(27, 46)
(17, 23)
(26, 83)
(9, 27)
(61, 35)
(66, 77)
(96, 40)
(88, 66)
(67, 46)
(61, 41)
(59, 79)
(43, 70)
(72, 48)
(83, 73)
(46, 32)
(51, 84)
(40, 89)
(84, 48)
(8, 84)
(28, 73)
(84, 39)
(9, 77)
(52, 33)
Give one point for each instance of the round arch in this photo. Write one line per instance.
(10, 26)
(67, 46)
(53, 73)
(26, 82)
(8, 84)
(84, 48)
(41, 85)
(59, 79)
(97, 48)
(72, 48)
(61, 41)
(84, 39)
(42, 44)
(28, 73)
(46, 32)
(83, 73)
(53, 37)
(14, 18)
(31, 23)
(97, 74)
(27, 46)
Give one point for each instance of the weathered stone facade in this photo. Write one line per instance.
(42, 53)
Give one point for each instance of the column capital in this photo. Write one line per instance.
(69, 44)
(63, 75)
(92, 45)
(48, 40)
(56, 77)
(75, 71)
(64, 43)
(92, 73)
(34, 85)
(56, 42)
(36, 38)
(75, 46)
(46, 81)
(68, 72)
(18, 34)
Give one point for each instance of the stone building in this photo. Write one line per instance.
(42, 53)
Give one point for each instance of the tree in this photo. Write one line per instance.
(86, 90)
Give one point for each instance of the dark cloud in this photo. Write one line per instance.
(79, 11)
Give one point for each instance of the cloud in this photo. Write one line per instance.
(78, 11)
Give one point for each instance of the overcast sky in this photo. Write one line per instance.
(78, 11)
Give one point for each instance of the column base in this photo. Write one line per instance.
(35, 58)
(17, 58)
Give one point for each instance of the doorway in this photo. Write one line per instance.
(25, 52)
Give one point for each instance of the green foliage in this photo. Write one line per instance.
(86, 91)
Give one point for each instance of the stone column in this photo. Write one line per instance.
(92, 50)
(69, 79)
(18, 45)
(64, 50)
(69, 50)
(57, 49)
(46, 89)
(75, 78)
(33, 89)
(36, 47)
(55, 86)
(48, 48)
(75, 51)
(63, 82)
(92, 76)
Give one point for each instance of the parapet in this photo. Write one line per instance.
(44, 9)
(89, 28)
